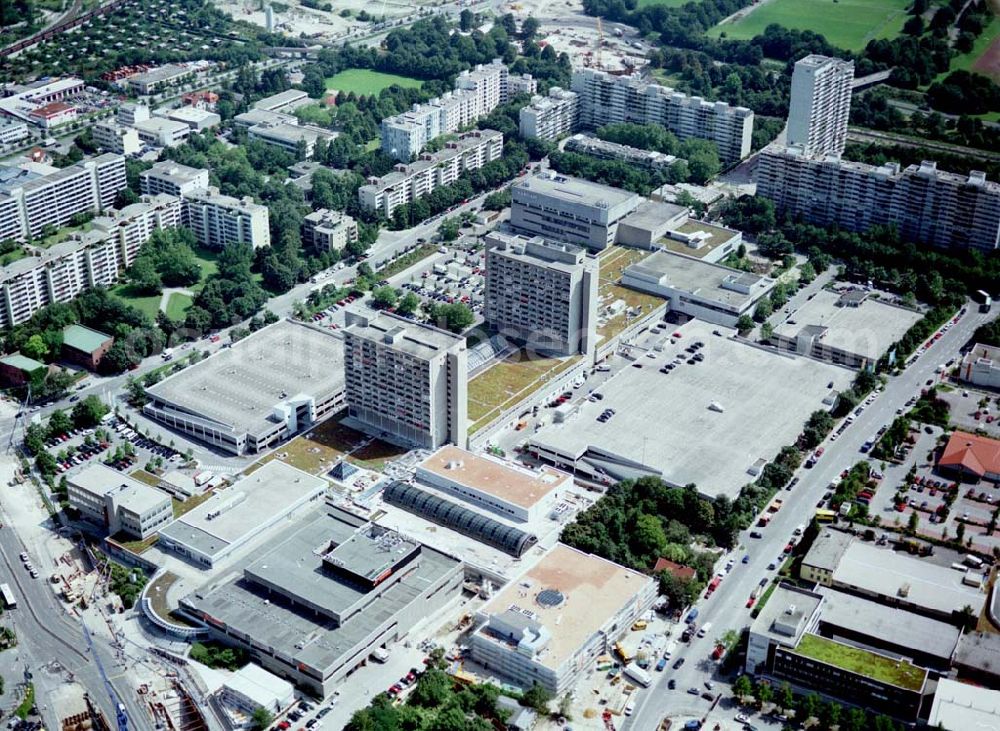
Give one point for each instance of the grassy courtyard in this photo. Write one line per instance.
(613, 263)
(878, 667)
(177, 305)
(319, 450)
(509, 382)
(848, 24)
(366, 81)
(989, 66)
(149, 305)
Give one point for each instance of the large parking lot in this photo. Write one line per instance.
(941, 503)
(458, 277)
(697, 407)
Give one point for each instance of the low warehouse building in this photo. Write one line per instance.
(550, 625)
(508, 490)
(785, 645)
(710, 292)
(325, 595)
(216, 528)
(252, 687)
(268, 387)
(849, 329)
(85, 347)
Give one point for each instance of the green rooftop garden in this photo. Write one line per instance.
(869, 664)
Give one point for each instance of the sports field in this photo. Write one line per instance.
(847, 24)
(366, 81)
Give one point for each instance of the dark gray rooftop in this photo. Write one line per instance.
(905, 629)
(980, 651)
(296, 561)
(827, 550)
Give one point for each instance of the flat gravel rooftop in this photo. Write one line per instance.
(240, 386)
(664, 421)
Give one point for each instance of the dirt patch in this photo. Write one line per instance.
(988, 64)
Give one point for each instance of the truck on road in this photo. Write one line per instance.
(636, 673)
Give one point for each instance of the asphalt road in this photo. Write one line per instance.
(726, 609)
(45, 635)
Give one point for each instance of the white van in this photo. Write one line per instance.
(705, 629)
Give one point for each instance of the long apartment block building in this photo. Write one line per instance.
(172, 178)
(406, 183)
(220, 220)
(607, 99)
(406, 379)
(820, 104)
(477, 93)
(96, 257)
(604, 150)
(925, 204)
(542, 294)
(567, 209)
(550, 117)
(31, 200)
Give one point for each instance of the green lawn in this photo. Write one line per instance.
(149, 305)
(208, 261)
(12, 256)
(853, 659)
(848, 24)
(965, 61)
(366, 81)
(177, 305)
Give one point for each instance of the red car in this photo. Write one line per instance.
(751, 601)
(284, 725)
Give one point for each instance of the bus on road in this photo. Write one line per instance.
(984, 300)
(8, 596)
(825, 516)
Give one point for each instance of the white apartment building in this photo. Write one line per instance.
(220, 220)
(118, 502)
(477, 93)
(406, 183)
(12, 131)
(196, 119)
(925, 204)
(97, 257)
(820, 104)
(29, 201)
(569, 209)
(550, 117)
(162, 132)
(326, 230)
(172, 178)
(128, 114)
(406, 379)
(520, 84)
(607, 99)
(159, 78)
(112, 137)
(290, 136)
(542, 294)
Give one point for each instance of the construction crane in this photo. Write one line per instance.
(120, 718)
